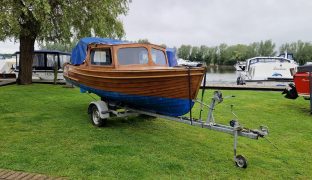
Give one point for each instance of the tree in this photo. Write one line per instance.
(203, 53)
(302, 51)
(222, 54)
(58, 46)
(184, 51)
(194, 56)
(266, 48)
(163, 45)
(57, 21)
(143, 41)
(253, 50)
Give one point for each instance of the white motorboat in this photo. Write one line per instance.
(268, 68)
(7, 67)
(182, 62)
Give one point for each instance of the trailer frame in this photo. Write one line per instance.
(105, 109)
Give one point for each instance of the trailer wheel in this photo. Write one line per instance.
(95, 117)
(241, 161)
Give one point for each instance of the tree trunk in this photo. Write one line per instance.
(26, 59)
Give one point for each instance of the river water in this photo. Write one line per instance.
(221, 75)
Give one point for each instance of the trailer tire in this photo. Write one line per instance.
(95, 117)
(241, 161)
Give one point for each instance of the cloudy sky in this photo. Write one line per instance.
(211, 22)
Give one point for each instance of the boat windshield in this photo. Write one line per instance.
(158, 57)
(267, 60)
(132, 55)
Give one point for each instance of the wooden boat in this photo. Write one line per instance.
(133, 74)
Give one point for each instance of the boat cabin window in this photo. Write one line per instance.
(268, 60)
(46, 60)
(101, 57)
(158, 57)
(38, 62)
(136, 55)
(51, 60)
(64, 59)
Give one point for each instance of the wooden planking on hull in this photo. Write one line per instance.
(173, 87)
(136, 75)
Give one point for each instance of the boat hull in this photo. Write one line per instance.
(164, 91)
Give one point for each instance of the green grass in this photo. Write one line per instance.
(45, 129)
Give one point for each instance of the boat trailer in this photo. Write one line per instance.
(101, 110)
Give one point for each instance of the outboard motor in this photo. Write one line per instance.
(291, 92)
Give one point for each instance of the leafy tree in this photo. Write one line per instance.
(203, 53)
(57, 21)
(253, 50)
(143, 41)
(266, 48)
(302, 51)
(222, 54)
(195, 53)
(211, 56)
(58, 46)
(184, 51)
(163, 45)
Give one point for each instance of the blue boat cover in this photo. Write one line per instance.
(80, 51)
(171, 54)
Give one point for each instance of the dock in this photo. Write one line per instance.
(258, 87)
(43, 81)
(4, 82)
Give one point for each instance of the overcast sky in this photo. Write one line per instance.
(211, 22)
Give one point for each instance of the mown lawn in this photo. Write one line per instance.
(45, 129)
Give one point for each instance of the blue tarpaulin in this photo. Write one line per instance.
(171, 54)
(80, 51)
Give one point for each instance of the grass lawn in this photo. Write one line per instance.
(45, 129)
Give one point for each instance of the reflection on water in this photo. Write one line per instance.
(221, 74)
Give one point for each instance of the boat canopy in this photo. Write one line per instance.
(171, 54)
(79, 53)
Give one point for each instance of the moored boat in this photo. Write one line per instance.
(7, 67)
(47, 64)
(268, 69)
(133, 74)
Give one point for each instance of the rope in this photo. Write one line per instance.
(190, 93)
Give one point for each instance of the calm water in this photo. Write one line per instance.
(221, 74)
